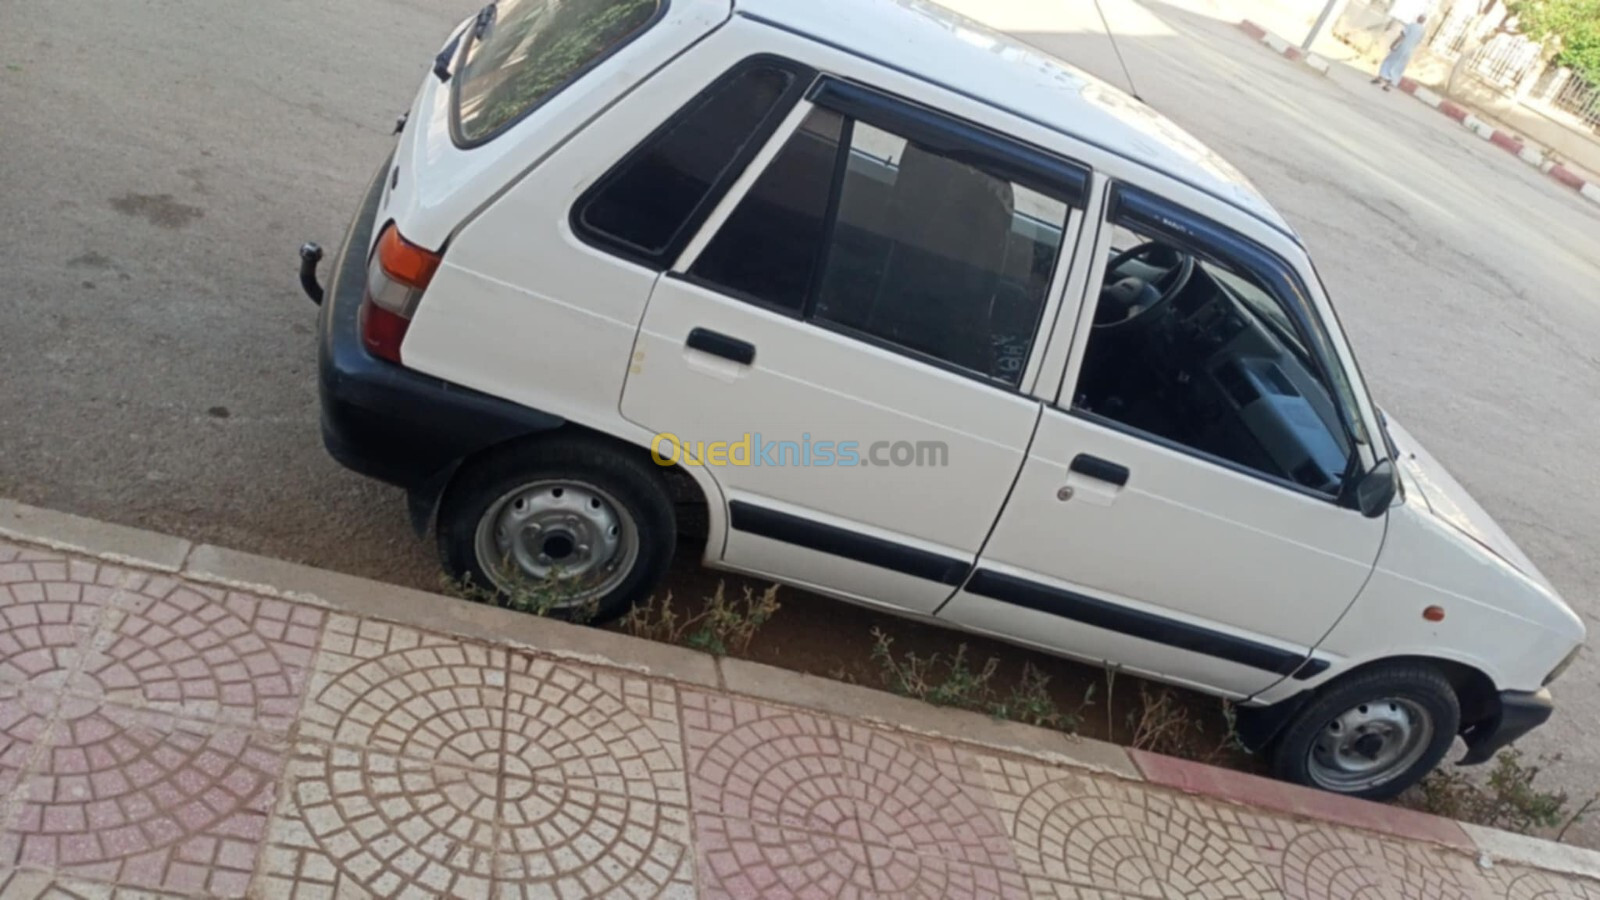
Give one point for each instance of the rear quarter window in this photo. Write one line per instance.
(651, 202)
(532, 48)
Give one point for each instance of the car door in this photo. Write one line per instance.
(1180, 511)
(847, 343)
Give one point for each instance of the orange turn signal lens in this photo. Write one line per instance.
(404, 261)
(1434, 614)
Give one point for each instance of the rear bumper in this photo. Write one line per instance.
(386, 421)
(1520, 713)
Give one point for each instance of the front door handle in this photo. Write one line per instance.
(1099, 469)
(717, 344)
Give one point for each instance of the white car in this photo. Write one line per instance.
(945, 327)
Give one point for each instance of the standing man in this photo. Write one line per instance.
(1394, 65)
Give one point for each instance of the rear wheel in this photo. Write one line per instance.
(1371, 735)
(582, 529)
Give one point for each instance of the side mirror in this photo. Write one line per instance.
(1376, 490)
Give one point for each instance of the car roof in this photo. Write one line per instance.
(929, 42)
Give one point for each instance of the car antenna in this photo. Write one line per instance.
(1118, 50)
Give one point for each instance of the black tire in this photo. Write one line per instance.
(1415, 689)
(639, 493)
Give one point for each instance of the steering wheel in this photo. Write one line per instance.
(1132, 301)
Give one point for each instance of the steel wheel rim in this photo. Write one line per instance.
(562, 533)
(1369, 744)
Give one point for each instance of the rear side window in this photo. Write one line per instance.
(931, 252)
(529, 49)
(649, 206)
(767, 251)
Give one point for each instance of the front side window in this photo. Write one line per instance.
(531, 48)
(1200, 351)
(860, 229)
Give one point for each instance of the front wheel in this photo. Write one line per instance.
(1371, 735)
(582, 529)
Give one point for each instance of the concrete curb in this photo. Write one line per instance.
(1521, 849)
(436, 612)
(351, 595)
(777, 685)
(1253, 790)
(1285, 49)
(117, 543)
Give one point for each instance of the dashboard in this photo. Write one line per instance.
(1238, 383)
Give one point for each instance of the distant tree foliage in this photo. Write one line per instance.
(1573, 24)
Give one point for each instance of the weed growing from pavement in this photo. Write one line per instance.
(1160, 723)
(1505, 799)
(722, 627)
(1030, 703)
(1111, 696)
(950, 680)
(546, 597)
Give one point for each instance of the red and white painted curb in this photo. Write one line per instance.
(1505, 140)
(1283, 48)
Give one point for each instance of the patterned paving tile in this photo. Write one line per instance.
(49, 609)
(918, 876)
(24, 724)
(1106, 835)
(593, 786)
(142, 799)
(557, 780)
(1045, 889)
(137, 639)
(791, 769)
(561, 841)
(402, 692)
(592, 728)
(353, 823)
(21, 884)
(202, 652)
(1519, 883)
(1330, 863)
(748, 860)
(139, 758)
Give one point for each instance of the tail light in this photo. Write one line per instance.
(396, 277)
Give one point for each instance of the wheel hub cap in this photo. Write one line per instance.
(557, 530)
(1369, 744)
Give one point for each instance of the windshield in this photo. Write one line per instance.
(1269, 310)
(526, 50)
(1260, 303)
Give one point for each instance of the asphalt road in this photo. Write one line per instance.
(160, 161)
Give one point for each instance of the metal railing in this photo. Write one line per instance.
(1451, 36)
(1502, 60)
(1514, 64)
(1506, 59)
(1578, 97)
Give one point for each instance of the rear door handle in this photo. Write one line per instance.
(718, 344)
(1099, 469)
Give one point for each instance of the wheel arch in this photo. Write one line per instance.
(1475, 691)
(690, 489)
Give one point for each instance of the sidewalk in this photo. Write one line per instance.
(165, 727)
